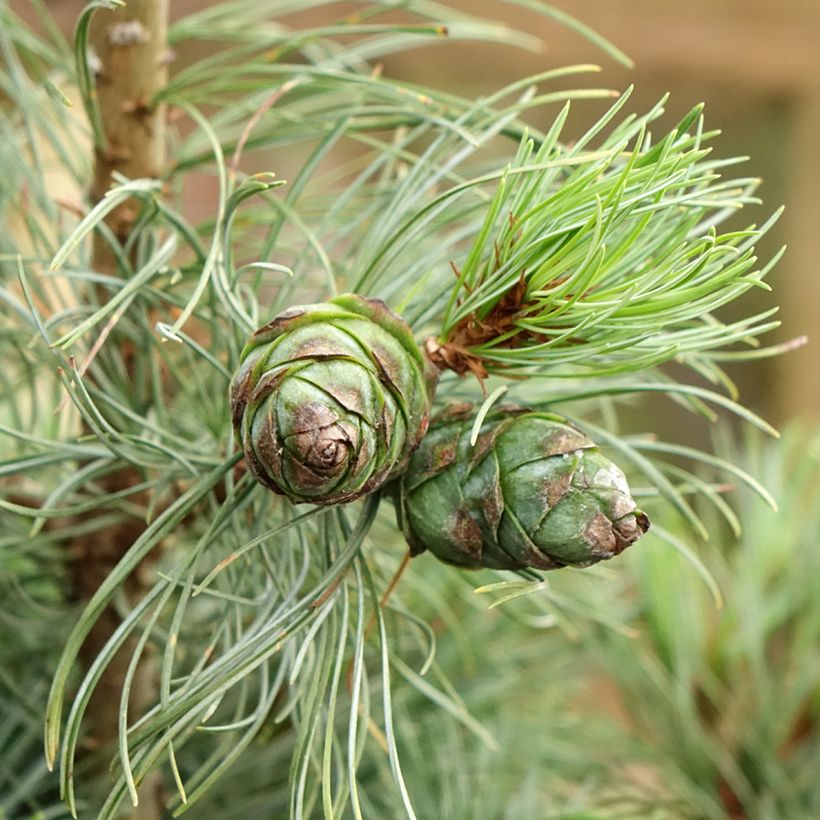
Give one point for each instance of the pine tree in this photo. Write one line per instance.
(212, 645)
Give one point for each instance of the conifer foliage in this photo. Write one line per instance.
(196, 627)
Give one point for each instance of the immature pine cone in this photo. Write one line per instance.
(330, 400)
(532, 492)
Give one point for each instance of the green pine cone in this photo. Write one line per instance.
(331, 399)
(532, 492)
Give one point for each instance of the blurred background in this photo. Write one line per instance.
(756, 65)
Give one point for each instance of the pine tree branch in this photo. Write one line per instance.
(388, 182)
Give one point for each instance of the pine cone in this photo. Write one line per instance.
(532, 492)
(330, 399)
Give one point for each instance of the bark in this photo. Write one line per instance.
(130, 53)
(132, 48)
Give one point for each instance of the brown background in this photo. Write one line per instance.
(755, 63)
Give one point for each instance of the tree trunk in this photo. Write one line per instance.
(132, 48)
(130, 53)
